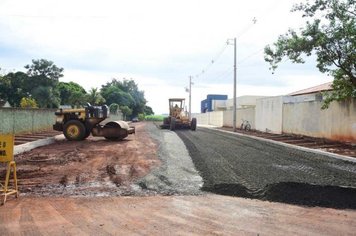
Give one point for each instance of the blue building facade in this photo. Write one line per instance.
(206, 105)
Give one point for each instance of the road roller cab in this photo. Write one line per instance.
(78, 124)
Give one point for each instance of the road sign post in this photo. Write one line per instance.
(7, 156)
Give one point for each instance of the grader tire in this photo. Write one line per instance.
(74, 130)
(193, 124)
(166, 121)
(173, 124)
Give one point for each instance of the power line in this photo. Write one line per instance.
(250, 56)
(247, 28)
(214, 60)
(222, 75)
(218, 55)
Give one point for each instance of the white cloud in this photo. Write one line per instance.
(158, 43)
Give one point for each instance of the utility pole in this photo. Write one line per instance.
(234, 109)
(234, 116)
(190, 97)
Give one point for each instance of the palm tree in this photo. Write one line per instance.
(94, 97)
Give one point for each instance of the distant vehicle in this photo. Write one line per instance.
(135, 119)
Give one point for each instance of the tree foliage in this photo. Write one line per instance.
(126, 111)
(330, 34)
(114, 107)
(44, 72)
(94, 97)
(148, 111)
(41, 83)
(124, 93)
(28, 103)
(71, 93)
(15, 86)
(46, 97)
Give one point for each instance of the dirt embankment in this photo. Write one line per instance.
(94, 166)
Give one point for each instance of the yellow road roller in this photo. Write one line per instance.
(78, 124)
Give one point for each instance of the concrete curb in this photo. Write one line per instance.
(316, 151)
(38, 143)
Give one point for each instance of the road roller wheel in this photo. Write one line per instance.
(114, 138)
(74, 130)
(87, 133)
(120, 135)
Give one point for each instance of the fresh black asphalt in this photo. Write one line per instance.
(245, 167)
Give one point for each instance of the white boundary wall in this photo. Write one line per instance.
(269, 114)
(241, 114)
(282, 115)
(215, 118)
(224, 118)
(338, 122)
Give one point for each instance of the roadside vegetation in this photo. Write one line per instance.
(154, 117)
(329, 34)
(39, 87)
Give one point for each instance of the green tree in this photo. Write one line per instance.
(114, 94)
(114, 107)
(329, 33)
(77, 99)
(39, 81)
(125, 93)
(148, 111)
(132, 88)
(66, 91)
(126, 111)
(46, 97)
(141, 117)
(94, 97)
(28, 103)
(44, 72)
(44, 76)
(14, 86)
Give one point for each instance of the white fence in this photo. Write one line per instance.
(281, 115)
(338, 122)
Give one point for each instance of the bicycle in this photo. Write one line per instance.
(245, 125)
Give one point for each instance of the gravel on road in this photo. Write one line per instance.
(176, 174)
(242, 166)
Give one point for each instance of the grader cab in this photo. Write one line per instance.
(78, 124)
(178, 118)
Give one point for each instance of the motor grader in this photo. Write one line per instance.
(78, 124)
(178, 117)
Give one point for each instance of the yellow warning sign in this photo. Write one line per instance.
(6, 147)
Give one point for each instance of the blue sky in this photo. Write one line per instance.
(158, 43)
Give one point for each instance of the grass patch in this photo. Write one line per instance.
(154, 117)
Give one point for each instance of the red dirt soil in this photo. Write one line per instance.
(93, 166)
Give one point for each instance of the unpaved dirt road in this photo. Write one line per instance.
(169, 215)
(152, 161)
(95, 166)
(151, 184)
(241, 166)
